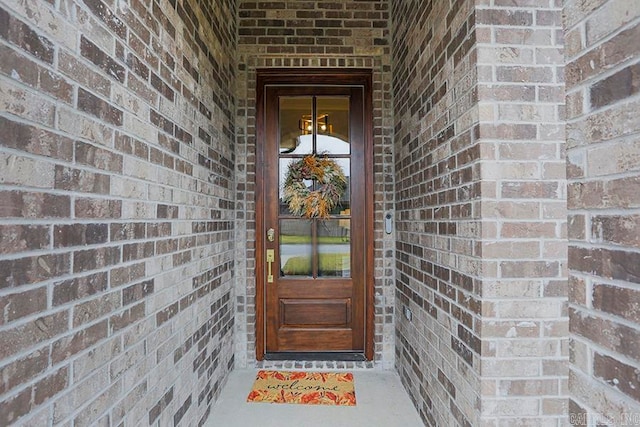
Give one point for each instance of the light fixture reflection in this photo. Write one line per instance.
(306, 123)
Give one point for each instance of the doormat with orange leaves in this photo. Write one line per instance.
(311, 388)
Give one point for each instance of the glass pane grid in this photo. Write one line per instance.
(315, 248)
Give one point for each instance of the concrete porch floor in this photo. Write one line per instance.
(381, 400)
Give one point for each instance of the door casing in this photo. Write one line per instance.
(349, 77)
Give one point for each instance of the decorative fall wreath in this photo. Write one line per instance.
(314, 203)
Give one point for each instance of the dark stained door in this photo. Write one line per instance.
(314, 269)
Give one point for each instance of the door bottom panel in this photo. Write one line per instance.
(294, 339)
(311, 313)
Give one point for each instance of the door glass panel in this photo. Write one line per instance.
(334, 248)
(344, 202)
(317, 247)
(295, 247)
(333, 125)
(295, 124)
(284, 168)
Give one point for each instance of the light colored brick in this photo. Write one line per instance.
(27, 172)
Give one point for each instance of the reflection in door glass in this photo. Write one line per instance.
(334, 247)
(293, 111)
(333, 124)
(295, 247)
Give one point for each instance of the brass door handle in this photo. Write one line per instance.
(271, 256)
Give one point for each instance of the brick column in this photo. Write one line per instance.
(524, 323)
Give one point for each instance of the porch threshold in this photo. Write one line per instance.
(317, 356)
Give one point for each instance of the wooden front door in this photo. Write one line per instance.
(313, 273)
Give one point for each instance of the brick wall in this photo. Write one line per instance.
(481, 250)
(437, 210)
(603, 128)
(524, 325)
(316, 34)
(119, 147)
(116, 210)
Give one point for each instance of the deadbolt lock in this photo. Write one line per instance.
(271, 234)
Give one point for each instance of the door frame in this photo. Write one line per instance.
(313, 76)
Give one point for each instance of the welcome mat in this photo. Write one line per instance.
(311, 388)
